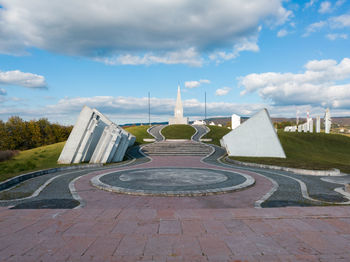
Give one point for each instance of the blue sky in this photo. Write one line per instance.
(286, 56)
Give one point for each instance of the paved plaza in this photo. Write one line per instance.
(79, 215)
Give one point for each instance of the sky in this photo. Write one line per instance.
(287, 56)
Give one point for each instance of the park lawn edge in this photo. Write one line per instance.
(178, 131)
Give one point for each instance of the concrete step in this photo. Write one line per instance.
(186, 148)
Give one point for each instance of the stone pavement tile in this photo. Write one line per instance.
(128, 214)
(146, 214)
(159, 246)
(259, 226)
(245, 258)
(267, 245)
(299, 225)
(108, 215)
(238, 226)
(278, 226)
(89, 214)
(71, 214)
(74, 247)
(37, 227)
(214, 248)
(57, 228)
(144, 227)
(188, 248)
(102, 249)
(21, 246)
(192, 227)
(170, 227)
(215, 227)
(205, 213)
(166, 214)
(335, 258)
(321, 225)
(126, 227)
(240, 245)
(80, 229)
(131, 245)
(292, 244)
(340, 225)
(245, 212)
(301, 258)
(186, 214)
(102, 228)
(266, 258)
(223, 214)
(324, 243)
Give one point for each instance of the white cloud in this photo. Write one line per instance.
(19, 78)
(309, 4)
(2, 92)
(340, 21)
(194, 84)
(336, 36)
(323, 83)
(222, 91)
(325, 7)
(132, 31)
(282, 33)
(314, 27)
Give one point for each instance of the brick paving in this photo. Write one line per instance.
(138, 234)
(227, 227)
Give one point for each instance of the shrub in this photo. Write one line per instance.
(7, 154)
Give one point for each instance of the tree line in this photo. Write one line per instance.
(17, 134)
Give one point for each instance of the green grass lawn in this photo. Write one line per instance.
(178, 132)
(140, 132)
(310, 151)
(30, 160)
(216, 133)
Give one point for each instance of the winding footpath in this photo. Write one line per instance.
(77, 215)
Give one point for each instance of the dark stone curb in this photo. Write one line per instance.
(333, 172)
(18, 179)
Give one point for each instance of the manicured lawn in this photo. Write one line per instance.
(216, 133)
(140, 132)
(29, 160)
(178, 132)
(310, 151)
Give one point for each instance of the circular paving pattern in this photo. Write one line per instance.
(172, 181)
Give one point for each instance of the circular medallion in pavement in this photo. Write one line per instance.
(172, 181)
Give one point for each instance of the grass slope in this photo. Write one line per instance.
(178, 132)
(216, 133)
(29, 160)
(140, 132)
(310, 151)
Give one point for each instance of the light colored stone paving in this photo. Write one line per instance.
(129, 234)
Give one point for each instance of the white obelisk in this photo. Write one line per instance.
(178, 111)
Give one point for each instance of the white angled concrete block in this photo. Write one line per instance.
(327, 121)
(256, 137)
(318, 124)
(235, 121)
(93, 139)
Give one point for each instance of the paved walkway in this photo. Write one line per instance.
(226, 227)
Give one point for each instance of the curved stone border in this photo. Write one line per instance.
(20, 178)
(333, 172)
(95, 181)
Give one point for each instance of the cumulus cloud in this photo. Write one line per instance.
(132, 31)
(2, 92)
(325, 7)
(282, 33)
(19, 78)
(194, 84)
(335, 22)
(336, 36)
(222, 91)
(324, 82)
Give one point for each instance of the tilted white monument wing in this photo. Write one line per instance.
(256, 137)
(95, 139)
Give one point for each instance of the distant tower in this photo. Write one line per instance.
(327, 121)
(318, 124)
(178, 111)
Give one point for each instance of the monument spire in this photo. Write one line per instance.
(178, 111)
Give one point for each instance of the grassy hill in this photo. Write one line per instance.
(178, 132)
(140, 132)
(216, 133)
(30, 160)
(310, 151)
